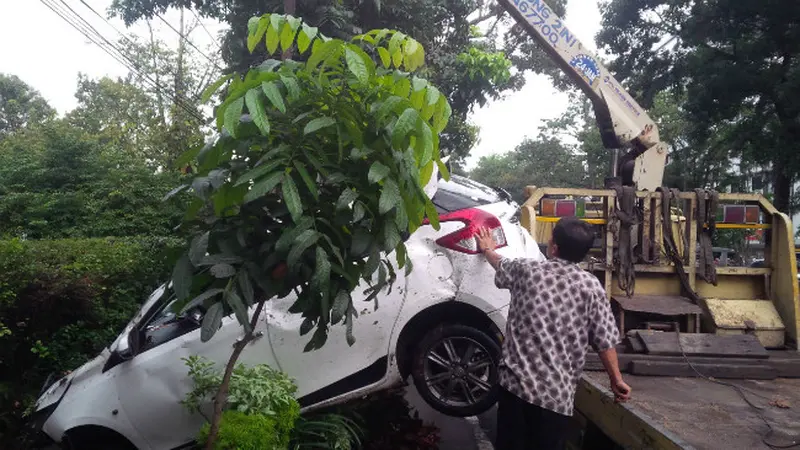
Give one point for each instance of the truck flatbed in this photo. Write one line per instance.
(694, 413)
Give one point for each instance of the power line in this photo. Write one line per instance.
(213, 38)
(186, 39)
(92, 34)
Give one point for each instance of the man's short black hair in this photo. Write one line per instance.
(574, 239)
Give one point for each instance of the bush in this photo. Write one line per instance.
(257, 391)
(62, 302)
(240, 431)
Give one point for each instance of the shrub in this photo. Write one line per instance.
(257, 391)
(61, 303)
(240, 431)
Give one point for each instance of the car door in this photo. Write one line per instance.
(152, 384)
(337, 368)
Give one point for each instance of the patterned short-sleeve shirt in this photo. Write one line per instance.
(557, 311)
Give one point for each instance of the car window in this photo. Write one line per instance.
(168, 324)
(462, 193)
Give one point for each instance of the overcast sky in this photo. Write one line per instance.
(47, 53)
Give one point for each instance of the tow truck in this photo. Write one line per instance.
(710, 352)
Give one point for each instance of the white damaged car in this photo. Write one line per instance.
(442, 325)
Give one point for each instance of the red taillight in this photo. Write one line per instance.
(464, 240)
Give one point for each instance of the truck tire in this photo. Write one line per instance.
(455, 370)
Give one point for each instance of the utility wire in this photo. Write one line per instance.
(213, 38)
(186, 39)
(92, 34)
(138, 70)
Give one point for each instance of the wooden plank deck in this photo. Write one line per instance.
(697, 413)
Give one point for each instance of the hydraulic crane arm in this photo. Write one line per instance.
(622, 122)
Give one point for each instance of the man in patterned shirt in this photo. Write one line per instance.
(557, 310)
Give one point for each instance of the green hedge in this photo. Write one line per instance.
(63, 301)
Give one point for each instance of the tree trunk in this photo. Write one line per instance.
(781, 190)
(221, 399)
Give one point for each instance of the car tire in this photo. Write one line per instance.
(95, 438)
(455, 370)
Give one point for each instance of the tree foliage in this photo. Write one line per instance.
(57, 181)
(468, 44)
(738, 64)
(20, 105)
(318, 181)
(544, 161)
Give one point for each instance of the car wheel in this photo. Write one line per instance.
(455, 370)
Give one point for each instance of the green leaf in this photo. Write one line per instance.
(198, 249)
(418, 84)
(292, 88)
(273, 38)
(318, 123)
(395, 41)
(361, 241)
(320, 282)
(211, 260)
(426, 173)
(274, 95)
(377, 172)
(307, 34)
(302, 243)
(400, 217)
(246, 287)
(432, 95)
(348, 196)
(390, 237)
(410, 50)
(200, 299)
(389, 105)
(287, 36)
(263, 186)
(386, 58)
(404, 125)
(402, 88)
(212, 88)
(239, 309)
(222, 270)
(400, 255)
(257, 111)
(433, 215)
(397, 58)
(318, 340)
(258, 172)
(372, 263)
(292, 198)
(358, 212)
(425, 142)
(254, 38)
(289, 235)
(182, 277)
(211, 322)
(440, 122)
(443, 170)
(233, 113)
(390, 197)
(340, 305)
(175, 192)
(310, 184)
(356, 65)
(322, 53)
(306, 326)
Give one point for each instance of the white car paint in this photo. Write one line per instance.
(140, 398)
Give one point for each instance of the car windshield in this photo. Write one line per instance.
(462, 193)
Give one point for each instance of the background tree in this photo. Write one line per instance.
(738, 64)
(544, 161)
(468, 44)
(57, 181)
(20, 105)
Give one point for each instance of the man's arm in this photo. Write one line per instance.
(622, 392)
(604, 336)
